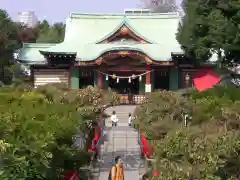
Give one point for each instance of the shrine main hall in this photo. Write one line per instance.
(129, 52)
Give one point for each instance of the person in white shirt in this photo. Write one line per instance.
(114, 119)
(130, 119)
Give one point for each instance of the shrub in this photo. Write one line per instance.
(37, 133)
(208, 148)
(37, 127)
(162, 112)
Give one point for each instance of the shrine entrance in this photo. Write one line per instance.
(124, 85)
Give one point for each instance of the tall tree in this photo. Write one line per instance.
(192, 30)
(211, 27)
(9, 41)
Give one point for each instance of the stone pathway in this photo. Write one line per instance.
(120, 141)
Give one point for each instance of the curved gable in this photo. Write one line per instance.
(124, 30)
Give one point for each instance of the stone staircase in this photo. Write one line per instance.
(120, 141)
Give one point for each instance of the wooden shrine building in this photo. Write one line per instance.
(125, 52)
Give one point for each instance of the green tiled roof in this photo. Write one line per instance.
(83, 31)
(30, 52)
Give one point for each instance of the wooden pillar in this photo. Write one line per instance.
(148, 75)
(148, 86)
(99, 80)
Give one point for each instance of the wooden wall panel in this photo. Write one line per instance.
(50, 76)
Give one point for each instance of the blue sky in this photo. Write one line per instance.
(55, 10)
(59, 10)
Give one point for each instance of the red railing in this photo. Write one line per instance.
(136, 99)
(146, 148)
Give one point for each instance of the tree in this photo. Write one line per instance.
(210, 27)
(27, 34)
(9, 41)
(50, 34)
(192, 31)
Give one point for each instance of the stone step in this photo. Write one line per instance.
(120, 141)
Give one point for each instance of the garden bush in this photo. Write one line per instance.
(160, 113)
(208, 148)
(37, 127)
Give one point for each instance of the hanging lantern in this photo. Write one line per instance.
(140, 78)
(117, 80)
(114, 76)
(107, 78)
(129, 80)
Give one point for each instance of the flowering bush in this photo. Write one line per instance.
(37, 127)
(162, 112)
(208, 148)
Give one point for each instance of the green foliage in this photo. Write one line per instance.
(208, 148)
(12, 35)
(210, 27)
(50, 34)
(162, 107)
(9, 41)
(37, 127)
(226, 92)
(35, 131)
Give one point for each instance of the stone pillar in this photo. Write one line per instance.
(148, 86)
(75, 78)
(99, 80)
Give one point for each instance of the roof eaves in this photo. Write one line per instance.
(38, 45)
(57, 53)
(31, 62)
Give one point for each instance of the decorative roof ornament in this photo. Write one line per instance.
(123, 53)
(124, 30)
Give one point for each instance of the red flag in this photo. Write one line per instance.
(205, 79)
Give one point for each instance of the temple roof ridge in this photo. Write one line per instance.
(76, 15)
